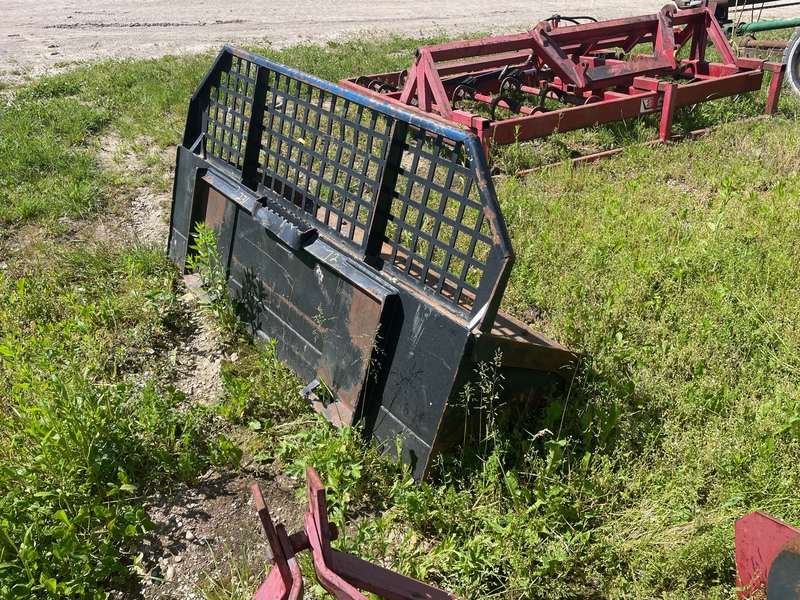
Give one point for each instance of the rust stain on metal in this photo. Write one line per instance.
(215, 208)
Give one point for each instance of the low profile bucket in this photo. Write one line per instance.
(366, 240)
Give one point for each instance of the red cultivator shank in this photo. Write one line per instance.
(339, 573)
(767, 555)
(590, 69)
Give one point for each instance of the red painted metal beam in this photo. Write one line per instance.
(570, 119)
(775, 86)
(462, 49)
(339, 573)
(387, 584)
(281, 583)
(759, 540)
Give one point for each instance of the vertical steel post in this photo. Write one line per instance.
(670, 91)
(778, 72)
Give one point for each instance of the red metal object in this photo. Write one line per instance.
(766, 550)
(285, 581)
(588, 158)
(595, 71)
(339, 573)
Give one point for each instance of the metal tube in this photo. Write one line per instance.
(743, 3)
(768, 25)
(744, 8)
(750, 42)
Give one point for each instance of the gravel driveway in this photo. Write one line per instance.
(35, 36)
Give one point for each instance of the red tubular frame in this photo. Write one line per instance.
(767, 551)
(285, 581)
(339, 573)
(575, 62)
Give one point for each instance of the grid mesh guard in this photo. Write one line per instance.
(391, 185)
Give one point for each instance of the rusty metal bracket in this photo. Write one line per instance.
(340, 573)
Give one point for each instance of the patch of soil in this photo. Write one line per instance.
(15, 241)
(144, 214)
(535, 316)
(198, 356)
(209, 536)
(148, 213)
(51, 35)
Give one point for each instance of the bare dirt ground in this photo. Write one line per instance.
(35, 36)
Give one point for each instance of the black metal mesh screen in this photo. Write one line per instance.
(398, 188)
(323, 152)
(437, 233)
(226, 121)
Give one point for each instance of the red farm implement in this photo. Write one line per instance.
(341, 574)
(767, 558)
(556, 79)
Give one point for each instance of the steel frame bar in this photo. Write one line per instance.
(285, 581)
(341, 574)
(572, 63)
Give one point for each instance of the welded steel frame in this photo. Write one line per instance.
(751, 46)
(365, 240)
(342, 574)
(580, 66)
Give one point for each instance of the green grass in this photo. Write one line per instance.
(671, 269)
(49, 169)
(680, 287)
(83, 426)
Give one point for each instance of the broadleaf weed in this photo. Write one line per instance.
(205, 260)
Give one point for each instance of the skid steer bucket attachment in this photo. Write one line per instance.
(367, 240)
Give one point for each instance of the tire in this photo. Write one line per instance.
(791, 57)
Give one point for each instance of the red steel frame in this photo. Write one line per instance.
(767, 555)
(339, 573)
(583, 66)
(764, 542)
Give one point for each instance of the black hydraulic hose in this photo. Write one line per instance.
(574, 20)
